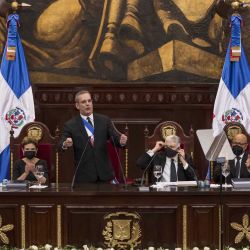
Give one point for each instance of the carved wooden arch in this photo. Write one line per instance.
(41, 133)
(233, 128)
(170, 128)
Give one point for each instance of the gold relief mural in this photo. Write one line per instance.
(131, 40)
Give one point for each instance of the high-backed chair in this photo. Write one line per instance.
(47, 147)
(119, 158)
(166, 128)
(233, 128)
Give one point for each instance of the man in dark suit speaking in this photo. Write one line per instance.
(88, 133)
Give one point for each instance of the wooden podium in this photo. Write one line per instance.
(108, 215)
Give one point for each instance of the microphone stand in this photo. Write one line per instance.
(141, 187)
(120, 164)
(190, 167)
(220, 161)
(77, 167)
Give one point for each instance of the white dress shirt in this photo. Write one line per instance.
(166, 172)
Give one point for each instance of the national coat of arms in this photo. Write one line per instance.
(15, 117)
(122, 230)
(232, 115)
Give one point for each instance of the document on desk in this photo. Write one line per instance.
(178, 184)
(38, 187)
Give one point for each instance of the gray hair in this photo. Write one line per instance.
(83, 91)
(173, 138)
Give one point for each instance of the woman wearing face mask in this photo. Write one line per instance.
(25, 168)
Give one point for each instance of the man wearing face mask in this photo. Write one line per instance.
(25, 168)
(176, 165)
(240, 165)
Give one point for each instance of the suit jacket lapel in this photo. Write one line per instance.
(243, 169)
(180, 169)
(97, 124)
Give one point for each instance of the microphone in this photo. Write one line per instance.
(77, 167)
(141, 187)
(195, 176)
(119, 161)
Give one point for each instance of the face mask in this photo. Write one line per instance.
(30, 154)
(170, 153)
(237, 150)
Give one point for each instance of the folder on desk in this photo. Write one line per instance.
(241, 182)
(17, 184)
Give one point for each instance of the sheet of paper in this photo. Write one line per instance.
(38, 187)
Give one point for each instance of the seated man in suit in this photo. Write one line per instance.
(176, 165)
(240, 166)
(88, 133)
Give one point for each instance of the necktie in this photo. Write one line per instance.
(237, 167)
(89, 121)
(173, 177)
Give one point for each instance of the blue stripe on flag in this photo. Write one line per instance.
(4, 163)
(236, 75)
(18, 97)
(18, 82)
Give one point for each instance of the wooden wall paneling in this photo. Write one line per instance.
(90, 220)
(41, 224)
(203, 226)
(159, 225)
(10, 215)
(236, 213)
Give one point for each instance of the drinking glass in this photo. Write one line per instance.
(39, 174)
(225, 171)
(157, 172)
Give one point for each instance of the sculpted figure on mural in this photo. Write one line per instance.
(121, 39)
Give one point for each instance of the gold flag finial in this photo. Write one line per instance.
(235, 5)
(16, 5)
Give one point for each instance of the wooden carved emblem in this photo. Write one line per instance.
(35, 132)
(232, 131)
(122, 230)
(168, 130)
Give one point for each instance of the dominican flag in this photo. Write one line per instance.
(16, 102)
(232, 103)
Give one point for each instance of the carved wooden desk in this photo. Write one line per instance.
(105, 215)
